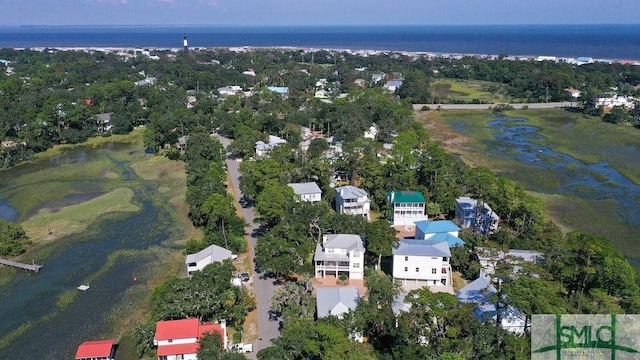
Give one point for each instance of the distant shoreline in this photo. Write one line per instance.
(362, 52)
(601, 41)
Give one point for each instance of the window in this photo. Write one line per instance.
(417, 269)
(406, 269)
(330, 250)
(444, 259)
(434, 271)
(356, 253)
(356, 265)
(406, 258)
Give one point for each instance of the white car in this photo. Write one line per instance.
(243, 348)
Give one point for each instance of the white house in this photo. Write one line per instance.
(263, 149)
(616, 100)
(309, 191)
(352, 200)
(229, 90)
(479, 290)
(336, 300)
(104, 121)
(419, 263)
(481, 218)
(372, 132)
(439, 230)
(340, 254)
(178, 339)
(209, 255)
(408, 207)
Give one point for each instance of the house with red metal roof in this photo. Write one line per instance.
(178, 339)
(96, 350)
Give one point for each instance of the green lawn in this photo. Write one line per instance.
(453, 90)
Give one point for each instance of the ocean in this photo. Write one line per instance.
(614, 42)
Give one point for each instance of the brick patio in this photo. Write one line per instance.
(330, 280)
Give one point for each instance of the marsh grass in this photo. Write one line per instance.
(34, 188)
(10, 337)
(49, 225)
(583, 137)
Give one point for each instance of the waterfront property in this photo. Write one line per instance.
(418, 263)
(340, 254)
(96, 350)
(479, 290)
(407, 207)
(309, 191)
(178, 339)
(209, 255)
(352, 200)
(480, 217)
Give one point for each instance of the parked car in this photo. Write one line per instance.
(243, 348)
(244, 277)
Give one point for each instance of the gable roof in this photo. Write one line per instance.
(453, 241)
(438, 226)
(405, 196)
(336, 300)
(305, 188)
(177, 329)
(211, 328)
(217, 253)
(178, 349)
(95, 349)
(343, 241)
(422, 248)
(350, 192)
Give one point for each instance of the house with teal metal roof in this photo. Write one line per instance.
(439, 230)
(408, 207)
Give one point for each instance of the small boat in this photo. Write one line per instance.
(83, 287)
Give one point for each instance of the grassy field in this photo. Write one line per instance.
(452, 90)
(588, 139)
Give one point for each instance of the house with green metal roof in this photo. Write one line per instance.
(407, 207)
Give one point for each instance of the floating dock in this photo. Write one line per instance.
(31, 267)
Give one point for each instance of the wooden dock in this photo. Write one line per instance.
(31, 267)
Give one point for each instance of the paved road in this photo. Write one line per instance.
(263, 287)
(550, 105)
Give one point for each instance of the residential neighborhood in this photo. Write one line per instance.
(319, 219)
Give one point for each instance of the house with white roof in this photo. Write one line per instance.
(419, 263)
(229, 90)
(372, 132)
(340, 254)
(480, 217)
(178, 339)
(209, 255)
(352, 200)
(336, 300)
(263, 149)
(407, 207)
(309, 191)
(439, 230)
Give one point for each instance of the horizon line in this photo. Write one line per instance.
(315, 25)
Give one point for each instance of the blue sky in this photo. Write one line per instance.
(316, 12)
